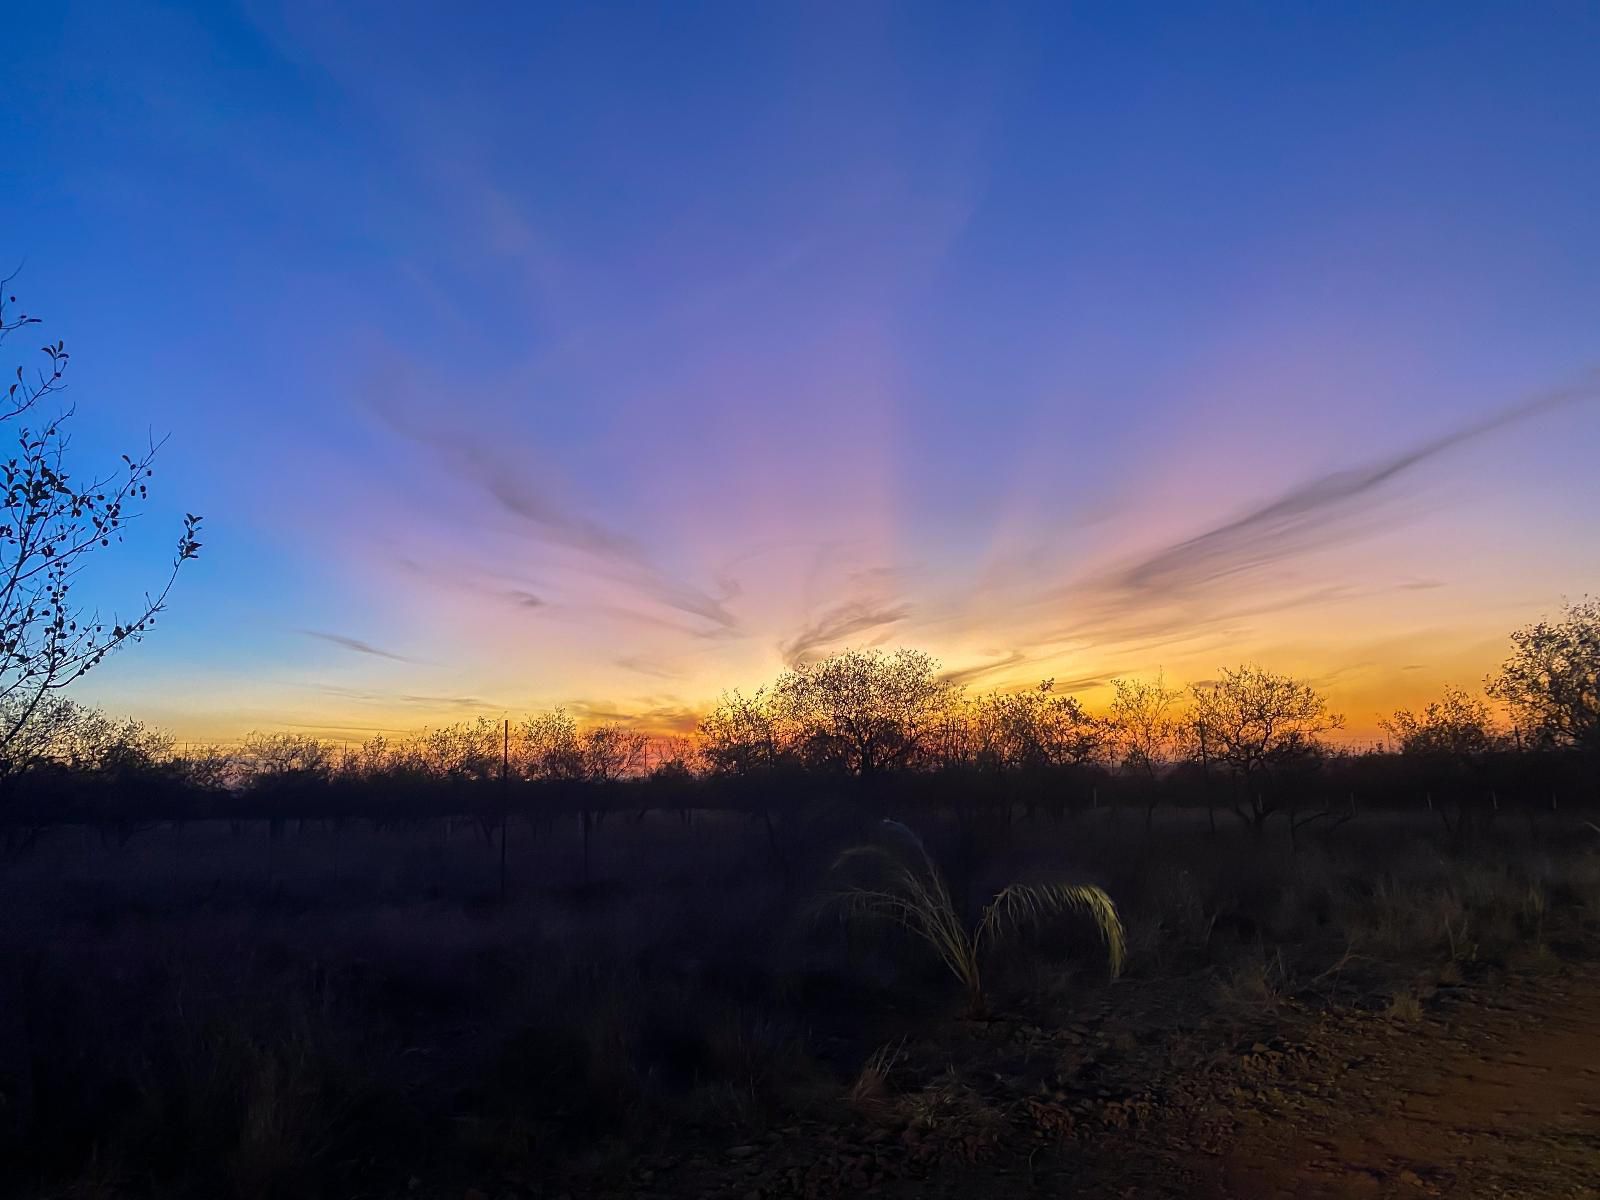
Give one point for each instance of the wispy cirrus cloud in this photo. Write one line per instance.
(354, 644)
(510, 482)
(966, 675)
(409, 699)
(1251, 565)
(643, 664)
(838, 623)
(1311, 516)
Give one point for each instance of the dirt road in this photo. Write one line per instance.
(1496, 1093)
(1492, 1090)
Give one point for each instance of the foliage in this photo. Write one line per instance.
(611, 753)
(67, 735)
(1456, 727)
(1251, 741)
(911, 892)
(1252, 724)
(1551, 682)
(1040, 728)
(468, 752)
(53, 523)
(548, 747)
(278, 754)
(1144, 726)
(741, 736)
(862, 711)
(1252, 720)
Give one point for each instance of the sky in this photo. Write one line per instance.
(613, 355)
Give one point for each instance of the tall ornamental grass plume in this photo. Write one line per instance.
(911, 892)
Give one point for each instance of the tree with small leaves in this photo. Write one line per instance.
(862, 712)
(1144, 732)
(1040, 728)
(53, 523)
(1551, 682)
(1450, 742)
(741, 737)
(1253, 727)
(1042, 739)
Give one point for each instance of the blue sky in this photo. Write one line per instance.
(609, 355)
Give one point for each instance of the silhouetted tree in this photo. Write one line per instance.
(675, 759)
(608, 754)
(287, 755)
(676, 765)
(37, 737)
(288, 773)
(96, 767)
(741, 737)
(372, 759)
(611, 753)
(862, 711)
(581, 765)
(207, 770)
(1551, 682)
(1251, 726)
(1040, 739)
(52, 524)
(742, 744)
(1457, 727)
(467, 752)
(961, 738)
(547, 748)
(1449, 741)
(1041, 728)
(1144, 733)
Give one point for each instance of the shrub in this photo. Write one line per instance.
(912, 893)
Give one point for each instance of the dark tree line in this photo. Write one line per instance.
(875, 732)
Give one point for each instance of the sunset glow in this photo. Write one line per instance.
(1082, 345)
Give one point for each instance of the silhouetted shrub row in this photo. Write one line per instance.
(876, 732)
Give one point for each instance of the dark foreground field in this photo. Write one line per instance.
(339, 1011)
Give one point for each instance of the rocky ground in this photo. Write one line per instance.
(1488, 1087)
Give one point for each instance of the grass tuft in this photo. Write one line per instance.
(912, 893)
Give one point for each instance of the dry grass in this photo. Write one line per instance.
(1405, 1006)
(912, 893)
(370, 1008)
(870, 1089)
(1254, 986)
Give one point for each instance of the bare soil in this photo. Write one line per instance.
(1493, 1091)
(1496, 1094)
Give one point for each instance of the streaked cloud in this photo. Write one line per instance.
(1307, 518)
(354, 644)
(407, 699)
(966, 675)
(851, 620)
(643, 664)
(509, 480)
